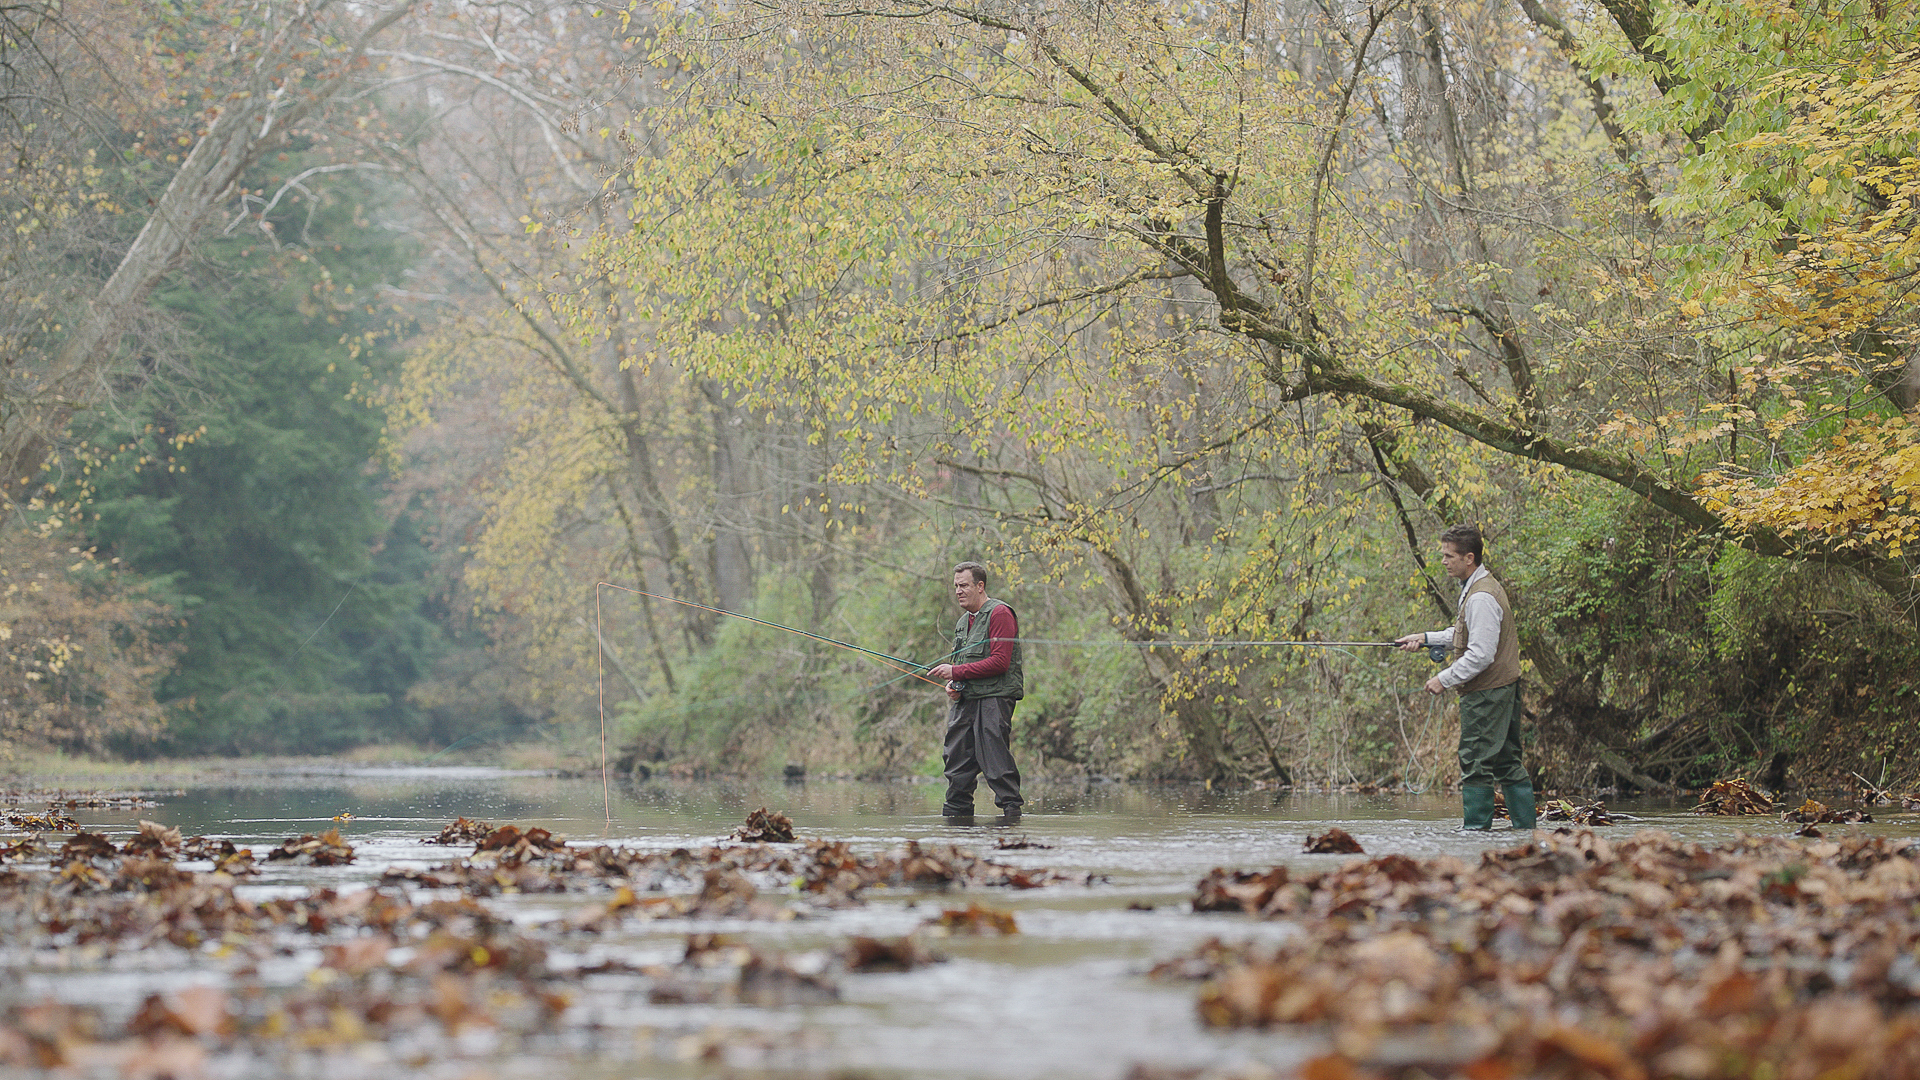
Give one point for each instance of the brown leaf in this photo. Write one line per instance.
(1335, 841)
(762, 827)
(192, 1010)
(153, 841)
(357, 956)
(973, 919)
(873, 954)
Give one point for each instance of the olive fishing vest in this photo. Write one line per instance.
(1505, 668)
(971, 645)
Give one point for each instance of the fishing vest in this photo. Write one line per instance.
(971, 645)
(1505, 668)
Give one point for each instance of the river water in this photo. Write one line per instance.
(1067, 996)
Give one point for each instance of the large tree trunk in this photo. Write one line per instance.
(257, 119)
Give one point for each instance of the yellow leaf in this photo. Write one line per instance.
(1817, 186)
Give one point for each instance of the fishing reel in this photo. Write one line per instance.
(1437, 653)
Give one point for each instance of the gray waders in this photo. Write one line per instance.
(978, 734)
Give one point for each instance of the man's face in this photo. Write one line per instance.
(971, 595)
(1458, 564)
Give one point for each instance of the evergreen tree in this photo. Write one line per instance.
(244, 484)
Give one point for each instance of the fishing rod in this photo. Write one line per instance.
(1436, 652)
(1172, 643)
(606, 794)
(910, 667)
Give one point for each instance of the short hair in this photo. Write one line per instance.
(1466, 540)
(979, 572)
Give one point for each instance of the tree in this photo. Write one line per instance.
(251, 76)
(242, 486)
(1185, 148)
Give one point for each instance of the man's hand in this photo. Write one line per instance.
(1412, 642)
(941, 671)
(1434, 685)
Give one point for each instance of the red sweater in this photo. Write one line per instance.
(1002, 628)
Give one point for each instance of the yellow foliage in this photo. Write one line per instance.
(1856, 492)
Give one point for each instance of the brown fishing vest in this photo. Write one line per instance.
(1505, 668)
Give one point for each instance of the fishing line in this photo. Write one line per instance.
(911, 667)
(600, 669)
(1206, 644)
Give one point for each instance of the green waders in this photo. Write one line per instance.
(1490, 756)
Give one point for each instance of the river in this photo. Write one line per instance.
(1066, 996)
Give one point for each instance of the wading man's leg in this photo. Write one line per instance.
(992, 745)
(1490, 755)
(1481, 734)
(1507, 767)
(961, 757)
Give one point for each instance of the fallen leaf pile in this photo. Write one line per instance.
(878, 954)
(1588, 815)
(765, 828)
(717, 970)
(831, 873)
(327, 849)
(972, 919)
(53, 819)
(390, 967)
(1734, 796)
(1815, 813)
(513, 844)
(76, 800)
(461, 831)
(1335, 841)
(154, 840)
(1574, 956)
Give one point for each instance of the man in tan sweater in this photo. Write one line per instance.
(1486, 671)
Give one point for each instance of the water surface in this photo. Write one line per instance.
(1067, 996)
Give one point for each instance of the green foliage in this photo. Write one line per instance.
(763, 696)
(1617, 591)
(1191, 324)
(241, 487)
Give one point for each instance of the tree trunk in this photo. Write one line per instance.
(657, 515)
(1204, 733)
(259, 119)
(732, 563)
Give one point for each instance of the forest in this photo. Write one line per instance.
(428, 374)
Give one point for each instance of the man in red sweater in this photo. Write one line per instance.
(984, 681)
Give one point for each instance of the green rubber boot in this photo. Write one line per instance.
(1520, 805)
(1479, 804)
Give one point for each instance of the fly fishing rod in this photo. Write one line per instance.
(901, 663)
(1437, 652)
(606, 794)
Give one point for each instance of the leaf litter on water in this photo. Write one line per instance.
(1575, 956)
(412, 969)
